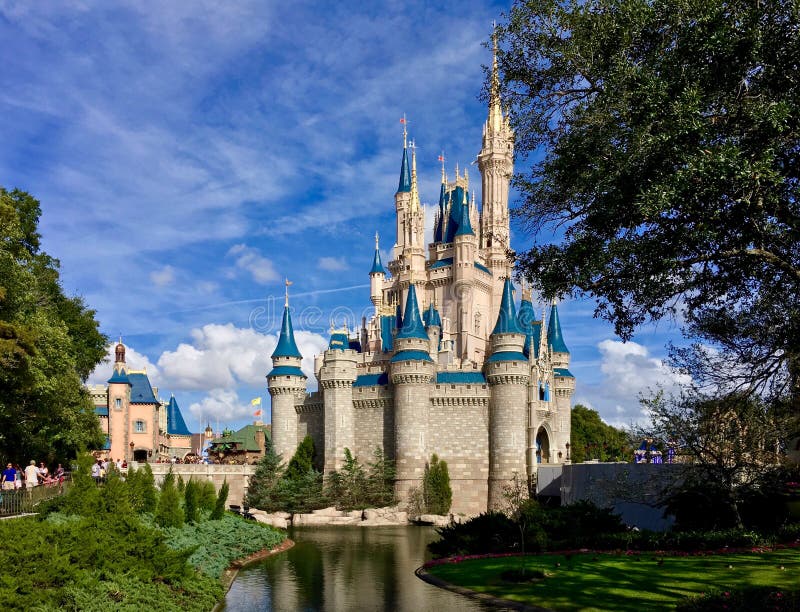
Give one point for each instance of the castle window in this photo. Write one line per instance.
(452, 386)
(139, 426)
(118, 403)
(469, 386)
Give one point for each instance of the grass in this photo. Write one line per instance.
(622, 582)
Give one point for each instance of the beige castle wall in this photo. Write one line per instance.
(508, 417)
(237, 476)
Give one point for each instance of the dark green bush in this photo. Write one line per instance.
(219, 506)
(436, 491)
(744, 600)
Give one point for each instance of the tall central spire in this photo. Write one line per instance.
(414, 189)
(495, 109)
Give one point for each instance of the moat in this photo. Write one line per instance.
(345, 568)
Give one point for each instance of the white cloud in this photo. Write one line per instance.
(332, 264)
(227, 357)
(250, 260)
(221, 405)
(164, 276)
(628, 371)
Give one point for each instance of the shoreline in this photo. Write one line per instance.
(229, 575)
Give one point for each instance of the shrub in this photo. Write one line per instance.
(490, 532)
(744, 600)
(206, 495)
(168, 509)
(219, 506)
(190, 507)
(436, 486)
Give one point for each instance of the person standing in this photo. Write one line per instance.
(31, 475)
(9, 478)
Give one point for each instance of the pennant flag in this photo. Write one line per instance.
(257, 413)
(441, 158)
(255, 402)
(402, 120)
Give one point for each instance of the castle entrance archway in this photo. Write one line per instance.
(542, 446)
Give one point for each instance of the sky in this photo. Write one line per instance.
(190, 156)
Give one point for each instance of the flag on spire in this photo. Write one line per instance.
(255, 402)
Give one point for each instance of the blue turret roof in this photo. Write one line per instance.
(176, 426)
(119, 377)
(456, 197)
(464, 224)
(507, 317)
(286, 347)
(532, 328)
(141, 391)
(405, 174)
(339, 341)
(438, 230)
(387, 327)
(554, 337)
(377, 266)
(412, 322)
(431, 316)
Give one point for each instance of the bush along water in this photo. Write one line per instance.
(100, 548)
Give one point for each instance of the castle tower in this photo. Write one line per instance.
(412, 372)
(496, 164)
(336, 378)
(287, 386)
(433, 325)
(402, 199)
(563, 380)
(507, 372)
(415, 251)
(376, 277)
(465, 245)
(119, 397)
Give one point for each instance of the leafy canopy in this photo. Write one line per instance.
(664, 136)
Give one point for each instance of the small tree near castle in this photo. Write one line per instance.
(436, 489)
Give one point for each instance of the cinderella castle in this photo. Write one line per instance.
(448, 364)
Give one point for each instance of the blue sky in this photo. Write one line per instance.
(190, 155)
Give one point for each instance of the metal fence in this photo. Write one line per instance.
(24, 501)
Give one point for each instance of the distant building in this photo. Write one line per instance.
(137, 424)
(244, 446)
(448, 364)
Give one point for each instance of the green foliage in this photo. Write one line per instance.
(168, 509)
(206, 495)
(219, 507)
(666, 140)
(190, 506)
(302, 461)
(743, 600)
(169, 480)
(83, 497)
(141, 489)
(49, 343)
(67, 563)
(212, 545)
(297, 489)
(436, 486)
(353, 487)
(114, 493)
(181, 485)
(591, 438)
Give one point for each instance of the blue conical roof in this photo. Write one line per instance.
(438, 231)
(287, 347)
(464, 224)
(431, 316)
(175, 423)
(377, 266)
(554, 337)
(405, 174)
(119, 377)
(507, 317)
(412, 322)
(527, 321)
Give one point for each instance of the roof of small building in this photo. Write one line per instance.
(141, 391)
(243, 439)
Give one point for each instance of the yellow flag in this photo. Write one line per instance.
(255, 402)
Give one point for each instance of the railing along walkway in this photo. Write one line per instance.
(24, 501)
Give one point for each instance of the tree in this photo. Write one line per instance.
(665, 134)
(728, 446)
(261, 488)
(49, 344)
(219, 506)
(168, 509)
(436, 486)
(303, 459)
(591, 438)
(381, 475)
(190, 501)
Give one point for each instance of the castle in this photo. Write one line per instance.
(138, 425)
(447, 364)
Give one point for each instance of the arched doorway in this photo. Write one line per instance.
(542, 446)
(140, 456)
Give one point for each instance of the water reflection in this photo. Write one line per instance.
(345, 568)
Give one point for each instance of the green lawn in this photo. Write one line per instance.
(619, 582)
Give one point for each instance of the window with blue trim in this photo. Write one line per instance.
(118, 403)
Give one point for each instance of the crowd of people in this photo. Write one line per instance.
(14, 477)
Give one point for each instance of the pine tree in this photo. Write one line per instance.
(436, 486)
(148, 488)
(380, 479)
(168, 510)
(190, 494)
(114, 495)
(260, 492)
(219, 507)
(206, 495)
(302, 461)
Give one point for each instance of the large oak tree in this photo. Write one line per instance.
(664, 145)
(49, 344)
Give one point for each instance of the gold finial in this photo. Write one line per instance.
(286, 301)
(553, 302)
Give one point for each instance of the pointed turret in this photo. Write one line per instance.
(405, 172)
(438, 233)
(415, 203)
(532, 328)
(176, 426)
(431, 317)
(554, 337)
(507, 317)
(377, 266)
(412, 322)
(464, 223)
(495, 121)
(286, 347)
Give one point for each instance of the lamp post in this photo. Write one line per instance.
(567, 446)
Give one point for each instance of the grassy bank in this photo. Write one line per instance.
(622, 582)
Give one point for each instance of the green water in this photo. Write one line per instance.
(339, 569)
